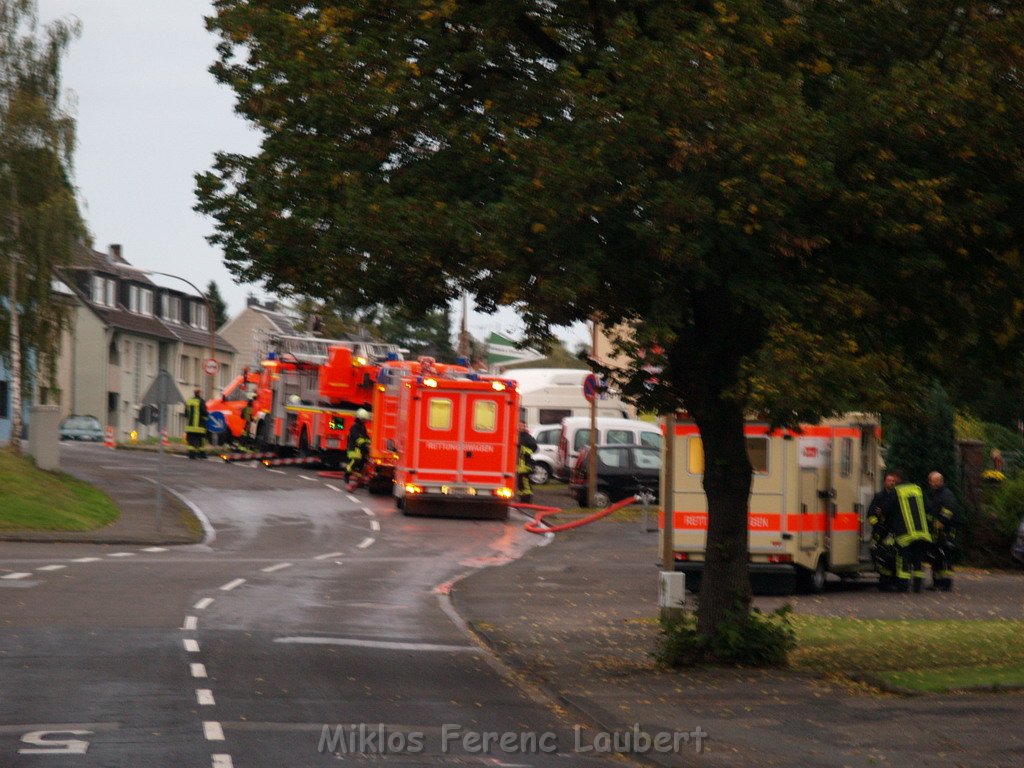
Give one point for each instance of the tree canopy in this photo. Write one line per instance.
(37, 201)
(798, 206)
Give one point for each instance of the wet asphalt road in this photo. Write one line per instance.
(309, 608)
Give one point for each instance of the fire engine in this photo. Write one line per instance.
(808, 502)
(380, 469)
(456, 441)
(234, 397)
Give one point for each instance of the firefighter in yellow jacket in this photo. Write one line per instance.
(907, 520)
(358, 447)
(524, 465)
(195, 425)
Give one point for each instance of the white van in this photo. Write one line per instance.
(610, 431)
(548, 395)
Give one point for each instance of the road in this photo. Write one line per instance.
(312, 627)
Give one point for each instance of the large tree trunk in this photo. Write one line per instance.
(726, 582)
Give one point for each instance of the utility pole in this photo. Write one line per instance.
(463, 347)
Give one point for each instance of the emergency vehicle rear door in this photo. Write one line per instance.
(485, 438)
(437, 454)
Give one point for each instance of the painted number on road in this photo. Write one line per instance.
(43, 745)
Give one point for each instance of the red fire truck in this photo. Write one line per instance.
(456, 441)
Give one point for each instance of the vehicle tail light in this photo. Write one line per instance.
(681, 557)
(503, 493)
(412, 489)
(780, 558)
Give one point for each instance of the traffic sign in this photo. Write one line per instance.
(211, 366)
(591, 387)
(215, 422)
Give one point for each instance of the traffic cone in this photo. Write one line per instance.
(109, 441)
(163, 438)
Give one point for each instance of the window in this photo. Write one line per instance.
(553, 415)
(5, 406)
(611, 458)
(548, 437)
(647, 459)
(695, 456)
(439, 416)
(183, 369)
(172, 308)
(200, 318)
(757, 452)
(485, 416)
(651, 439)
(618, 437)
(582, 439)
(140, 300)
(846, 457)
(103, 290)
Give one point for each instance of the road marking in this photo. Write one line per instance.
(52, 568)
(122, 554)
(222, 761)
(14, 576)
(278, 567)
(203, 604)
(368, 511)
(374, 525)
(87, 560)
(353, 499)
(155, 549)
(307, 477)
(329, 555)
(213, 731)
(365, 542)
(386, 645)
(333, 487)
(198, 670)
(232, 584)
(191, 622)
(277, 471)
(191, 646)
(204, 696)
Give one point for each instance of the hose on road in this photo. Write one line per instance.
(537, 525)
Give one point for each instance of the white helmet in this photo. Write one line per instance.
(363, 414)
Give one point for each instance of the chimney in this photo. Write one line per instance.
(115, 252)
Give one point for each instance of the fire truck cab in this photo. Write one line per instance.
(808, 502)
(456, 442)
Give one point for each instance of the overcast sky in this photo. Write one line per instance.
(149, 117)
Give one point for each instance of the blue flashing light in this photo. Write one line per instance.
(391, 356)
(271, 355)
(463, 361)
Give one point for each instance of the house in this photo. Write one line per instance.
(125, 328)
(250, 332)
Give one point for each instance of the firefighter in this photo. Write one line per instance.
(248, 414)
(524, 465)
(883, 545)
(907, 520)
(358, 447)
(195, 425)
(944, 521)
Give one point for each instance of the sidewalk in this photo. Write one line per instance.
(134, 493)
(577, 618)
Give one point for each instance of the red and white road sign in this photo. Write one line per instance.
(211, 366)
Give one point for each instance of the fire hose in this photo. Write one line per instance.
(537, 524)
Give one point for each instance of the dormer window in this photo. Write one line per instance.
(172, 308)
(104, 291)
(140, 300)
(200, 317)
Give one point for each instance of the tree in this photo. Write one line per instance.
(796, 206)
(925, 441)
(37, 201)
(220, 307)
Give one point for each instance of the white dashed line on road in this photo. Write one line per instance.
(191, 646)
(122, 554)
(204, 697)
(353, 499)
(198, 670)
(155, 549)
(232, 584)
(366, 542)
(203, 604)
(222, 761)
(329, 555)
(191, 622)
(277, 471)
(87, 560)
(213, 731)
(15, 576)
(333, 487)
(374, 525)
(52, 568)
(307, 477)
(368, 511)
(274, 568)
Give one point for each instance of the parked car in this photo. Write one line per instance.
(76, 427)
(575, 435)
(622, 470)
(546, 455)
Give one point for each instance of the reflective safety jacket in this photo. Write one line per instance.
(943, 508)
(195, 415)
(905, 515)
(358, 440)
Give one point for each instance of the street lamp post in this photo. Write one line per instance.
(209, 319)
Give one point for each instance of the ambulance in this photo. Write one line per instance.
(808, 503)
(456, 445)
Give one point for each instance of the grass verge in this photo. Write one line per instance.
(917, 655)
(31, 499)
